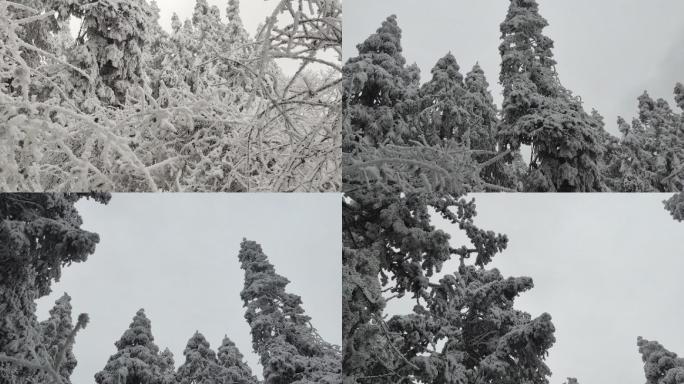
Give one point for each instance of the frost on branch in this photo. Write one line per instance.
(127, 106)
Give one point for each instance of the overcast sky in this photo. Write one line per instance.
(607, 267)
(608, 51)
(176, 256)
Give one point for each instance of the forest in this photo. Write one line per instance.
(450, 119)
(124, 105)
(412, 152)
(41, 234)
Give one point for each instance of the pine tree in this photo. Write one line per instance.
(168, 369)
(39, 234)
(235, 370)
(392, 248)
(291, 351)
(137, 359)
(675, 205)
(113, 43)
(660, 365)
(538, 111)
(201, 365)
(653, 149)
(236, 30)
(55, 333)
(442, 115)
(376, 90)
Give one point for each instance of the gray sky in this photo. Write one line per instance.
(607, 267)
(176, 256)
(608, 51)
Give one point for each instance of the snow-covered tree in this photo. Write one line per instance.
(291, 350)
(201, 365)
(39, 234)
(55, 333)
(660, 365)
(126, 106)
(538, 111)
(235, 370)
(653, 148)
(462, 327)
(442, 115)
(137, 359)
(675, 205)
(168, 369)
(375, 87)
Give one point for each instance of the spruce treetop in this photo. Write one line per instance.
(378, 90)
(679, 95)
(200, 364)
(234, 367)
(137, 359)
(139, 333)
(660, 365)
(291, 351)
(386, 40)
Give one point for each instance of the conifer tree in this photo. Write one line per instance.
(137, 359)
(652, 149)
(392, 248)
(291, 351)
(115, 35)
(39, 234)
(675, 205)
(442, 115)
(236, 30)
(375, 88)
(538, 111)
(168, 367)
(55, 333)
(660, 365)
(235, 370)
(480, 105)
(201, 365)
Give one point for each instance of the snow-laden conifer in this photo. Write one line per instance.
(290, 349)
(137, 359)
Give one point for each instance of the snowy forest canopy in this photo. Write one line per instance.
(413, 152)
(566, 147)
(128, 106)
(41, 234)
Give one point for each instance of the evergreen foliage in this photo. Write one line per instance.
(201, 365)
(392, 124)
(660, 365)
(137, 359)
(39, 234)
(291, 350)
(376, 86)
(463, 325)
(235, 370)
(55, 333)
(538, 111)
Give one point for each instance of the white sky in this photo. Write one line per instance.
(176, 256)
(607, 267)
(609, 51)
